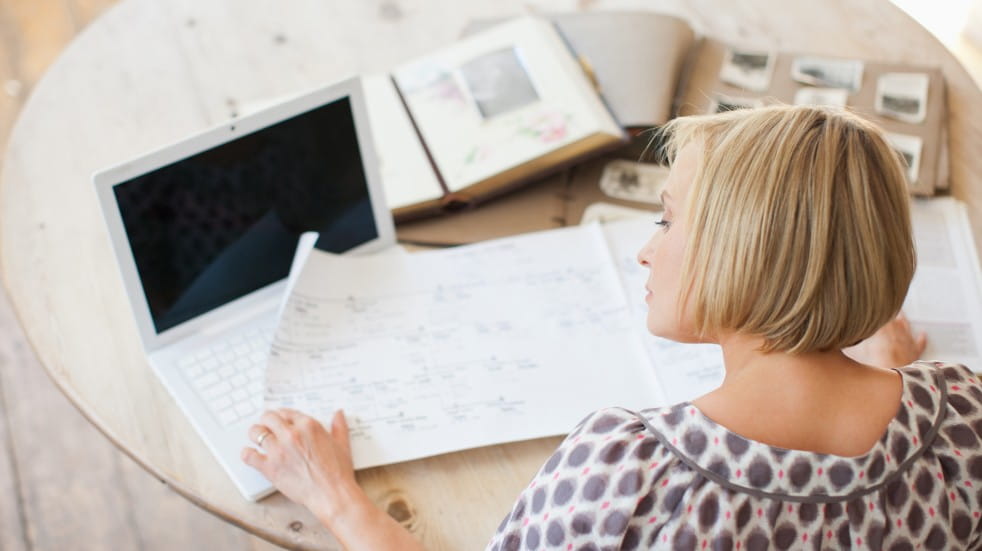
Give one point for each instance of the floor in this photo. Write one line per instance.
(64, 486)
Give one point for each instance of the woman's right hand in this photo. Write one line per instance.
(306, 462)
(893, 345)
(311, 465)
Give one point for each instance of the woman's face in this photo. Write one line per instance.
(663, 253)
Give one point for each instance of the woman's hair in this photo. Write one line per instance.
(799, 226)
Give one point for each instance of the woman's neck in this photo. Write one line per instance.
(746, 362)
(818, 401)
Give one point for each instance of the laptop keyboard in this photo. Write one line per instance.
(228, 375)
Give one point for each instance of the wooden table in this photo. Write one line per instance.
(149, 72)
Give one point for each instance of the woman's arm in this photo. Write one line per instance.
(312, 466)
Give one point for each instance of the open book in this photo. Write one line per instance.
(483, 115)
(515, 338)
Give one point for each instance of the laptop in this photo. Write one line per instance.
(205, 232)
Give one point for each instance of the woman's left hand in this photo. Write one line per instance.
(306, 462)
(893, 345)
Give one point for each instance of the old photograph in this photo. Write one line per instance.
(632, 181)
(902, 96)
(828, 72)
(722, 103)
(909, 147)
(498, 82)
(750, 70)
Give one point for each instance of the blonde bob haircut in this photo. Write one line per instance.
(799, 226)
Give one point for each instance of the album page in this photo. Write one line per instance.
(503, 104)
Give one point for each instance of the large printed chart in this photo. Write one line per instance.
(445, 350)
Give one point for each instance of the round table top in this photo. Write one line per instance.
(149, 73)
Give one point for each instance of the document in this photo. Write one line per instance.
(945, 298)
(444, 350)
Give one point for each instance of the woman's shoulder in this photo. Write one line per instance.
(953, 384)
(609, 439)
(592, 488)
(926, 370)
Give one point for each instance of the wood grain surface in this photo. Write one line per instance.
(148, 73)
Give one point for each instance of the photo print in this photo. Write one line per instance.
(902, 96)
(836, 97)
(909, 147)
(498, 82)
(828, 72)
(750, 70)
(631, 181)
(722, 103)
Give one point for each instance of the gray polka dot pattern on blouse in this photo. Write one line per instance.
(671, 478)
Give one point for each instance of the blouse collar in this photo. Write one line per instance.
(769, 471)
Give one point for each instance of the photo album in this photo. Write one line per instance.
(488, 113)
(516, 100)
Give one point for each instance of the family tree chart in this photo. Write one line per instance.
(443, 350)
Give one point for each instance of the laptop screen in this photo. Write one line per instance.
(225, 222)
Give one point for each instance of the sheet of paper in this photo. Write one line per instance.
(407, 176)
(945, 298)
(683, 371)
(445, 350)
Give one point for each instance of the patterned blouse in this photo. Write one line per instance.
(671, 478)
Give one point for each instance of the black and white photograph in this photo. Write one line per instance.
(498, 82)
(909, 147)
(722, 103)
(902, 96)
(828, 72)
(632, 181)
(750, 70)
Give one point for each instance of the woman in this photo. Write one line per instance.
(785, 239)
